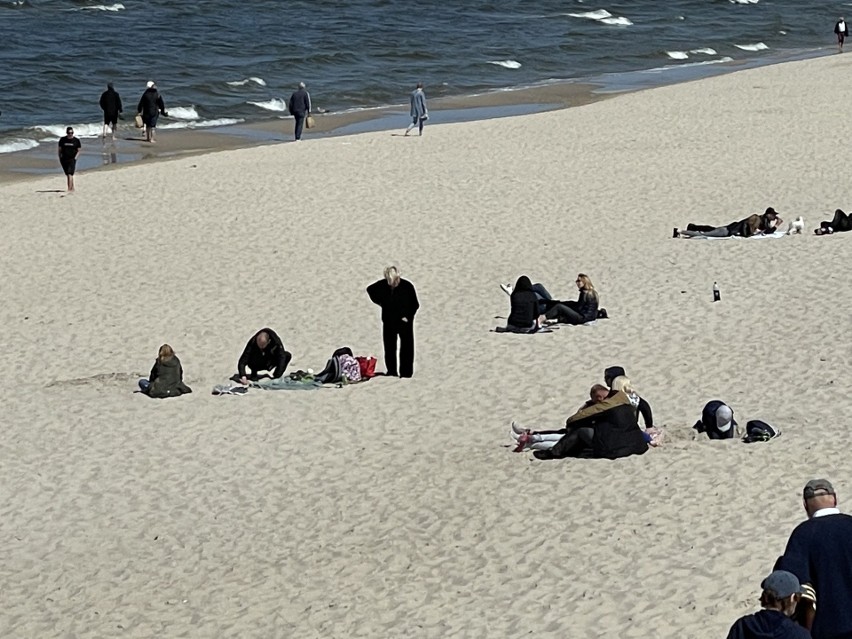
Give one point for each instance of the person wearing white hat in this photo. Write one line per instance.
(150, 107)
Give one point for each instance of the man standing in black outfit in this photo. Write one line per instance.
(69, 150)
(299, 107)
(398, 300)
(111, 106)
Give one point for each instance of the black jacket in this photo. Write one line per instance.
(111, 102)
(844, 31)
(396, 302)
(616, 431)
(151, 103)
(273, 358)
(587, 306)
(707, 423)
(300, 103)
(767, 624)
(524, 304)
(167, 379)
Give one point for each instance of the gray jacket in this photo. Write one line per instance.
(418, 104)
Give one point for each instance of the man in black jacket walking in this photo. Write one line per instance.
(399, 303)
(111, 106)
(299, 107)
(150, 107)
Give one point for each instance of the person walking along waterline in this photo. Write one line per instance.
(299, 107)
(842, 31)
(150, 106)
(399, 303)
(419, 113)
(69, 150)
(110, 104)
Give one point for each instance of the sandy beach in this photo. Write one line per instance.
(393, 508)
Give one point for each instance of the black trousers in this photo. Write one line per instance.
(565, 313)
(392, 331)
(300, 123)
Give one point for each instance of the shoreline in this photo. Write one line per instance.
(129, 148)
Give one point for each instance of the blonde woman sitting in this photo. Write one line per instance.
(166, 379)
(653, 436)
(584, 310)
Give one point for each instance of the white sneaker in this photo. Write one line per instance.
(507, 288)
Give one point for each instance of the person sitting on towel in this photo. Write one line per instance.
(765, 224)
(841, 223)
(585, 309)
(263, 356)
(524, 316)
(613, 373)
(166, 378)
(717, 420)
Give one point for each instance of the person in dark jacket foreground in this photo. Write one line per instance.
(524, 312)
(840, 223)
(399, 304)
(110, 104)
(765, 224)
(781, 592)
(166, 379)
(263, 352)
(585, 309)
(150, 107)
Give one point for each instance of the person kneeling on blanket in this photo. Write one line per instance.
(263, 352)
(765, 224)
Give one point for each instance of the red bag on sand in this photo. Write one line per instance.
(368, 367)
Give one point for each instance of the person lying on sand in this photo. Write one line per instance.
(263, 356)
(840, 223)
(765, 224)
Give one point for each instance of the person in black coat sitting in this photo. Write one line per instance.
(263, 352)
(523, 317)
(585, 309)
(840, 223)
(399, 304)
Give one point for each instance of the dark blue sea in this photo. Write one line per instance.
(220, 62)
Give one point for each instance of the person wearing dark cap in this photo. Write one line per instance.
(819, 554)
(69, 150)
(781, 592)
(263, 356)
(765, 224)
(111, 106)
(840, 223)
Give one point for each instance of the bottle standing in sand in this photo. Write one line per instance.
(716, 295)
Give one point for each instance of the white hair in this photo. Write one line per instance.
(301, 85)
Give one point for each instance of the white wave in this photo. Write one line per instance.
(199, 124)
(275, 104)
(80, 130)
(677, 55)
(506, 64)
(689, 64)
(17, 144)
(604, 16)
(704, 50)
(242, 83)
(102, 7)
(183, 113)
(759, 46)
(743, 1)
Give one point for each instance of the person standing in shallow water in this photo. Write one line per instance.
(150, 107)
(399, 303)
(842, 31)
(110, 104)
(419, 113)
(69, 150)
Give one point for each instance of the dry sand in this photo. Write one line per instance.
(393, 509)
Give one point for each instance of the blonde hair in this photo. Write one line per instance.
(392, 276)
(166, 353)
(586, 281)
(622, 383)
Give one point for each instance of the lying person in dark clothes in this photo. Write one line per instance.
(841, 223)
(263, 356)
(765, 224)
(781, 593)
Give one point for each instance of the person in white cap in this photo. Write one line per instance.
(717, 421)
(781, 593)
(819, 553)
(150, 107)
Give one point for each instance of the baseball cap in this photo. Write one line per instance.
(724, 418)
(150, 84)
(770, 211)
(782, 584)
(817, 488)
(612, 372)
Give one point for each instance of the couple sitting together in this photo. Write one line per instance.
(532, 306)
(606, 426)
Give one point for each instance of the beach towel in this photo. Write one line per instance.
(524, 331)
(770, 236)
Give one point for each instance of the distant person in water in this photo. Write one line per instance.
(765, 224)
(150, 107)
(419, 113)
(110, 103)
(840, 223)
(166, 379)
(841, 30)
(299, 107)
(69, 150)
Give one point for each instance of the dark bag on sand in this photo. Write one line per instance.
(333, 373)
(760, 431)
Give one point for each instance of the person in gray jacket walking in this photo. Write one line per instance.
(419, 112)
(299, 107)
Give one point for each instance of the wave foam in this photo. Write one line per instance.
(80, 130)
(241, 83)
(743, 1)
(275, 104)
(183, 113)
(200, 124)
(102, 7)
(506, 64)
(758, 46)
(17, 144)
(704, 50)
(604, 16)
(677, 55)
(688, 64)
